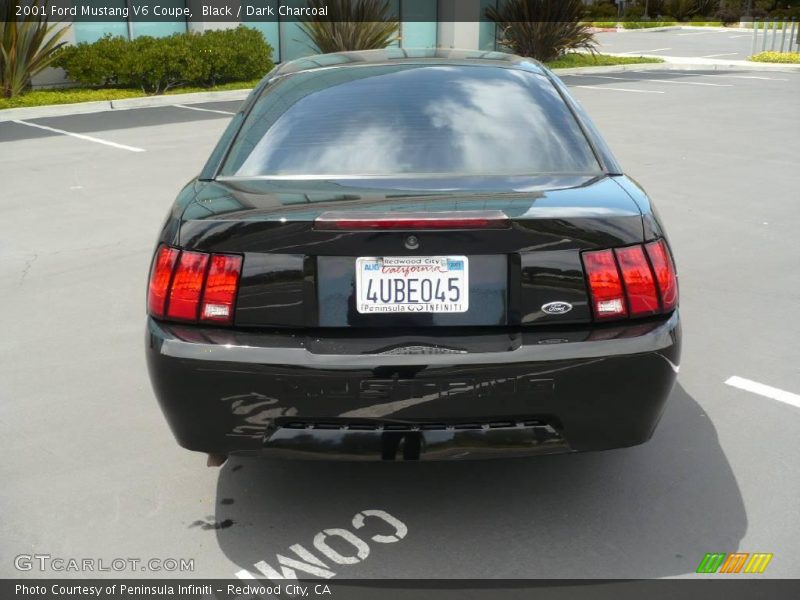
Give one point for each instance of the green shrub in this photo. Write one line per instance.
(582, 59)
(785, 13)
(47, 97)
(777, 57)
(239, 54)
(601, 11)
(66, 96)
(778, 25)
(728, 16)
(708, 7)
(94, 64)
(156, 65)
(682, 9)
(701, 21)
(662, 22)
(634, 12)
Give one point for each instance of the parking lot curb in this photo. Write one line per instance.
(678, 63)
(675, 28)
(653, 29)
(53, 110)
(683, 63)
(63, 110)
(193, 98)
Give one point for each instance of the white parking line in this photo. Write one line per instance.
(80, 136)
(695, 33)
(764, 390)
(660, 80)
(733, 37)
(731, 76)
(689, 82)
(211, 110)
(615, 89)
(645, 51)
(714, 55)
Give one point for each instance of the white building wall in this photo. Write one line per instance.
(459, 33)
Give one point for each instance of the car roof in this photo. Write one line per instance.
(405, 56)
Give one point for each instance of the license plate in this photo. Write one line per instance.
(412, 284)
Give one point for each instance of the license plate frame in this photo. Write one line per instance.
(447, 288)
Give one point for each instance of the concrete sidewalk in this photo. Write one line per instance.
(62, 110)
(680, 63)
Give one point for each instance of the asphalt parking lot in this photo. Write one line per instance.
(718, 43)
(91, 469)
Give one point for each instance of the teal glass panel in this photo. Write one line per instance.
(487, 35)
(158, 28)
(91, 32)
(419, 26)
(270, 29)
(394, 6)
(294, 41)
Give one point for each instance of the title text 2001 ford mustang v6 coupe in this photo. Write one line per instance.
(411, 256)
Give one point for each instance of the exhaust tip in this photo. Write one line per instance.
(216, 460)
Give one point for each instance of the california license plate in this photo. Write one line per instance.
(412, 284)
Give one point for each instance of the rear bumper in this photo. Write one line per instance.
(369, 395)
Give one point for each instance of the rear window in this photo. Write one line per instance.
(410, 120)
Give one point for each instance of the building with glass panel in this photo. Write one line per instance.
(423, 24)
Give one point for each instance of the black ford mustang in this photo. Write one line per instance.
(411, 256)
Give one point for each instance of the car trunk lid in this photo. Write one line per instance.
(301, 242)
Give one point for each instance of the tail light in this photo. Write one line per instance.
(193, 286)
(634, 281)
(608, 298)
(160, 277)
(221, 287)
(187, 285)
(640, 286)
(665, 274)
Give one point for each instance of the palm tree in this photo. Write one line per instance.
(26, 46)
(542, 29)
(352, 25)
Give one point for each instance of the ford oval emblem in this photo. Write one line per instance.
(556, 308)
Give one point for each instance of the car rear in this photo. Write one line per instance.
(326, 293)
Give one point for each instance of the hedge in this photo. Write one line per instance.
(156, 65)
(663, 22)
(777, 57)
